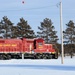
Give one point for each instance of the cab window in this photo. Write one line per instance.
(40, 43)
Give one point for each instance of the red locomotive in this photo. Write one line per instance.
(27, 48)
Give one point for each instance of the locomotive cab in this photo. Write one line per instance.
(38, 43)
(42, 50)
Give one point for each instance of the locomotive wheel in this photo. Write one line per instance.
(39, 56)
(50, 56)
(1, 57)
(44, 57)
(47, 56)
(8, 56)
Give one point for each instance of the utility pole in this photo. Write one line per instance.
(61, 30)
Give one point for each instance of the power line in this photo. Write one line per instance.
(27, 9)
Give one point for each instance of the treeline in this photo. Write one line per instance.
(46, 30)
(69, 49)
(21, 30)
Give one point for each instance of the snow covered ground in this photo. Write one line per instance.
(37, 67)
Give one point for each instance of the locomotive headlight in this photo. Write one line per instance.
(53, 52)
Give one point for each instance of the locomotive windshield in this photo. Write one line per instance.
(40, 43)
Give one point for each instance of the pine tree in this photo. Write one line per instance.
(24, 30)
(69, 33)
(14, 32)
(69, 36)
(47, 31)
(6, 27)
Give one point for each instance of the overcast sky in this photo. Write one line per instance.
(34, 11)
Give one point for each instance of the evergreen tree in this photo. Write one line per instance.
(6, 27)
(47, 31)
(24, 30)
(69, 33)
(69, 36)
(14, 32)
